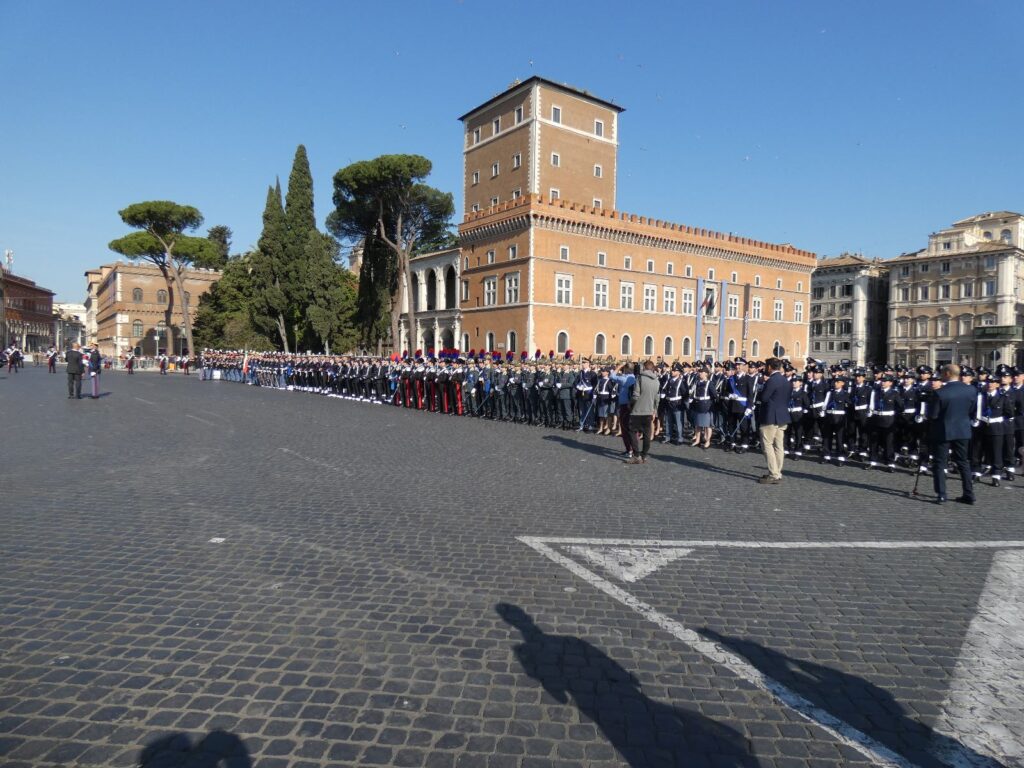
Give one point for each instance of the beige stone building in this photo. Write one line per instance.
(962, 298)
(128, 304)
(849, 310)
(550, 263)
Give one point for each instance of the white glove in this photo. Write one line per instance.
(919, 419)
(748, 411)
(975, 423)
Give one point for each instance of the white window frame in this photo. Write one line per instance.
(556, 114)
(495, 169)
(599, 128)
(517, 193)
(733, 307)
(517, 160)
(626, 344)
(650, 265)
(512, 288)
(648, 345)
(670, 268)
(757, 281)
(627, 262)
(627, 292)
(711, 273)
(602, 259)
(475, 208)
(490, 291)
(755, 308)
(556, 160)
(598, 202)
(476, 178)
(494, 201)
(517, 115)
(778, 310)
(734, 277)
(563, 253)
(496, 126)
(490, 256)
(555, 194)
(476, 135)
(688, 271)
(798, 312)
(563, 289)
(650, 298)
(513, 252)
(668, 300)
(598, 171)
(600, 293)
(687, 303)
(604, 344)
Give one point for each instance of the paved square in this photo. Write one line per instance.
(202, 571)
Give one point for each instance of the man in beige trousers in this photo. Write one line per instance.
(772, 419)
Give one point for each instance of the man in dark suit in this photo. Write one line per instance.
(772, 419)
(76, 368)
(950, 412)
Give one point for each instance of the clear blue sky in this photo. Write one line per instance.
(836, 126)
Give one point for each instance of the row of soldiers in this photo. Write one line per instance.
(875, 417)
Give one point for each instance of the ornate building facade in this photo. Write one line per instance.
(549, 263)
(849, 310)
(434, 293)
(961, 299)
(26, 313)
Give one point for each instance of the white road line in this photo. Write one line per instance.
(839, 729)
(144, 400)
(198, 418)
(631, 564)
(310, 459)
(1011, 544)
(984, 708)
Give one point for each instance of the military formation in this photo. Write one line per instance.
(874, 418)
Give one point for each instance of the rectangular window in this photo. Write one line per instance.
(597, 171)
(517, 160)
(798, 312)
(945, 268)
(496, 126)
(711, 274)
(512, 289)
(967, 291)
(598, 203)
(650, 298)
(687, 302)
(733, 309)
(563, 253)
(990, 262)
(670, 268)
(476, 178)
(513, 251)
(555, 194)
(475, 208)
(494, 201)
(598, 128)
(734, 277)
(688, 271)
(627, 262)
(518, 115)
(757, 281)
(650, 265)
(625, 295)
(556, 114)
(924, 268)
(946, 246)
(563, 289)
(601, 294)
(476, 135)
(755, 310)
(495, 169)
(990, 287)
(490, 291)
(904, 271)
(668, 300)
(922, 293)
(555, 159)
(778, 284)
(490, 257)
(517, 193)
(465, 290)
(944, 291)
(778, 310)
(602, 259)
(905, 293)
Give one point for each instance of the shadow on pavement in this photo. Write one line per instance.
(645, 732)
(218, 749)
(864, 705)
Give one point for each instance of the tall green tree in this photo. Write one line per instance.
(161, 240)
(223, 319)
(220, 236)
(300, 221)
(271, 305)
(386, 196)
(332, 308)
(377, 278)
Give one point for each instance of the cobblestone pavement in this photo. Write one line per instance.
(203, 570)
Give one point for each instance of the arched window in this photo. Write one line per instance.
(161, 296)
(626, 347)
(732, 347)
(490, 342)
(685, 346)
(512, 346)
(777, 349)
(648, 345)
(668, 346)
(599, 347)
(137, 329)
(1006, 236)
(755, 348)
(137, 295)
(562, 342)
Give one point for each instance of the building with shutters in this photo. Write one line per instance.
(849, 310)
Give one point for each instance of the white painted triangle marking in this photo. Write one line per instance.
(984, 709)
(630, 564)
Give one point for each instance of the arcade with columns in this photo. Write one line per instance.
(434, 293)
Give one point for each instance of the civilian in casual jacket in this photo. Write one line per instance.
(75, 369)
(644, 405)
(949, 428)
(772, 419)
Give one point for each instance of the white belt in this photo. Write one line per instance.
(910, 410)
(860, 407)
(795, 410)
(885, 413)
(702, 398)
(992, 419)
(837, 412)
(674, 399)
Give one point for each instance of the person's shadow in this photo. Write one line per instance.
(218, 749)
(864, 705)
(645, 732)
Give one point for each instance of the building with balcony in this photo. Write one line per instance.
(26, 313)
(961, 299)
(548, 262)
(849, 310)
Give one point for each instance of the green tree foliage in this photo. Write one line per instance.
(331, 311)
(161, 239)
(220, 236)
(386, 197)
(270, 299)
(377, 279)
(224, 318)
